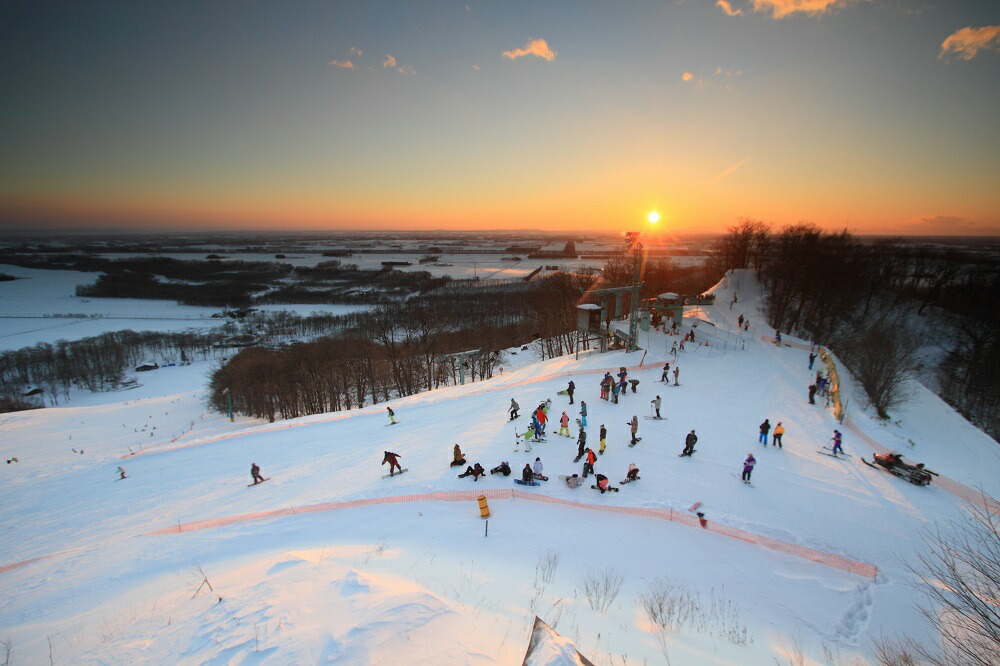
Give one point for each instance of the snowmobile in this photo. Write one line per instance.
(893, 463)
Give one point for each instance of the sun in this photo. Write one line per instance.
(653, 217)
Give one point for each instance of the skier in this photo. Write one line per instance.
(392, 416)
(665, 377)
(604, 438)
(748, 467)
(527, 474)
(765, 428)
(255, 474)
(812, 358)
(689, 443)
(635, 429)
(779, 430)
(677, 374)
(513, 409)
(740, 322)
(589, 465)
(121, 471)
(564, 424)
(569, 391)
(812, 394)
(602, 482)
(574, 481)
(393, 460)
(673, 350)
(633, 472)
(502, 468)
(581, 443)
(656, 405)
(538, 468)
(475, 471)
(583, 413)
(459, 458)
(836, 442)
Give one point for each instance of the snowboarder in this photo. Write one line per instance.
(765, 428)
(812, 394)
(569, 391)
(393, 460)
(689, 443)
(502, 468)
(574, 481)
(779, 430)
(665, 377)
(634, 423)
(677, 374)
(588, 466)
(392, 416)
(564, 425)
(527, 474)
(623, 387)
(121, 472)
(255, 474)
(836, 442)
(604, 438)
(602, 482)
(656, 405)
(633, 383)
(812, 358)
(748, 467)
(538, 468)
(614, 392)
(475, 471)
(581, 443)
(633, 472)
(459, 458)
(513, 409)
(583, 413)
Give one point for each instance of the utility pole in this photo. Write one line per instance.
(635, 247)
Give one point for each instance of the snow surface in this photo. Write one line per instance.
(421, 582)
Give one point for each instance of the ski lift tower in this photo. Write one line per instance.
(634, 247)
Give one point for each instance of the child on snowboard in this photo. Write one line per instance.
(538, 469)
(393, 460)
(564, 425)
(513, 409)
(689, 443)
(255, 474)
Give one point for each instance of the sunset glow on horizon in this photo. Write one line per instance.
(477, 115)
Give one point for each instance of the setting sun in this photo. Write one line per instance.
(653, 217)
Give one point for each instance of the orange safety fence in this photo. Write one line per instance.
(683, 517)
(346, 414)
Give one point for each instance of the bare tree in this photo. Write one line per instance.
(882, 357)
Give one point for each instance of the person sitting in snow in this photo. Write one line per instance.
(475, 471)
(502, 468)
(633, 472)
(574, 481)
(459, 459)
(538, 469)
(602, 482)
(527, 474)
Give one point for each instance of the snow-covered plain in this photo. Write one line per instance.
(420, 582)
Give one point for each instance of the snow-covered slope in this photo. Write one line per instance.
(421, 582)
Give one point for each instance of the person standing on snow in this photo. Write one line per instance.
(689, 443)
(541, 418)
(635, 429)
(564, 425)
(812, 358)
(588, 466)
(836, 442)
(665, 377)
(583, 413)
(748, 467)
(812, 394)
(569, 391)
(677, 374)
(513, 409)
(614, 392)
(604, 438)
(392, 416)
(779, 430)
(581, 443)
(765, 428)
(255, 474)
(393, 460)
(656, 405)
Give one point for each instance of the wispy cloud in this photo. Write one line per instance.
(687, 76)
(355, 51)
(728, 8)
(728, 171)
(783, 8)
(389, 62)
(535, 47)
(406, 69)
(967, 42)
(344, 64)
(951, 225)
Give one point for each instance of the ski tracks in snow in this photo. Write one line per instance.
(855, 619)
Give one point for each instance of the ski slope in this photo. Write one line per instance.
(419, 581)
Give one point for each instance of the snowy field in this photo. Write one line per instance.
(420, 582)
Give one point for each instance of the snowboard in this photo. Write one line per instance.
(258, 483)
(386, 476)
(609, 488)
(694, 507)
(655, 418)
(541, 477)
(514, 418)
(637, 440)
(622, 483)
(578, 458)
(693, 451)
(740, 478)
(526, 483)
